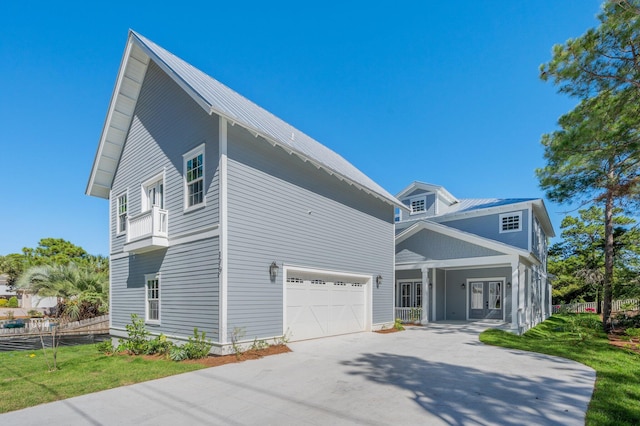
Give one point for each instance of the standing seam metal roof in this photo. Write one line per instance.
(233, 106)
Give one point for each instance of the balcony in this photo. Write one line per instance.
(147, 231)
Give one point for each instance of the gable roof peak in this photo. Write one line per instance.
(215, 98)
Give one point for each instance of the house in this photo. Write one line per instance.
(225, 218)
(467, 259)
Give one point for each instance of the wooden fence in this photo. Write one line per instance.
(34, 325)
(616, 306)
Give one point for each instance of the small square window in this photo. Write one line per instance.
(417, 204)
(510, 222)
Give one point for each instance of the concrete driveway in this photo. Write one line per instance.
(435, 375)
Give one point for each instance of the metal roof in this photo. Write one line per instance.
(216, 98)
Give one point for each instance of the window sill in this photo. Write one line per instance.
(195, 208)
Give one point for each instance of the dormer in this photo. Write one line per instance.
(424, 200)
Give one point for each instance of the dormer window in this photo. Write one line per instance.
(510, 222)
(418, 204)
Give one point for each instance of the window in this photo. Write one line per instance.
(152, 298)
(154, 194)
(510, 222)
(417, 204)
(122, 214)
(194, 177)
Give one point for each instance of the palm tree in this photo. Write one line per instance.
(73, 286)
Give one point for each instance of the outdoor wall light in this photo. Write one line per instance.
(430, 285)
(273, 271)
(463, 286)
(509, 284)
(378, 281)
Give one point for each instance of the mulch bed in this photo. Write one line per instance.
(387, 330)
(216, 360)
(620, 340)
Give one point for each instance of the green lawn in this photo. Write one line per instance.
(616, 398)
(25, 380)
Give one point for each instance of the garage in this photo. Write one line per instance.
(320, 304)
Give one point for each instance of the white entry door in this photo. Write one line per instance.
(320, 305)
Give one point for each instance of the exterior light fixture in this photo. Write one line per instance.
(378, 281)
(463, 286)
(509, 284)
(273, 271)
(430, 285)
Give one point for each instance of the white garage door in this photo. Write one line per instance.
(321, 305)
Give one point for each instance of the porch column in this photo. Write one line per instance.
(426, 297)
(515, 290)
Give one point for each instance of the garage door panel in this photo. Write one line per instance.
(319, 306)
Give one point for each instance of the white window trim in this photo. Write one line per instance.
(147, 278)
(186, 157)
(144, 204)
(510, 214)
(417, 197)
(122, 194)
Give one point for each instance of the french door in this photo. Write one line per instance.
(485, 299)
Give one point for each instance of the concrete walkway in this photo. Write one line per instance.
(435, 375)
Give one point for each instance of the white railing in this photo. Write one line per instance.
(616, 306)
(152, 223)
(409, 314)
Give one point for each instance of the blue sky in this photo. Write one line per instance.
(442, 92)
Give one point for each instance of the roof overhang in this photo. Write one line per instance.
(440, 191)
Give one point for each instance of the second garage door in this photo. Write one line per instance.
(320, 305)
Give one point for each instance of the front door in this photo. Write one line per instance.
(485, 300)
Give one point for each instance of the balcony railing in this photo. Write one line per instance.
(408, 315)
(148, 230)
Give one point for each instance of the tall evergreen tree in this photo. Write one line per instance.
(594, 156)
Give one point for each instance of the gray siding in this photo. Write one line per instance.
(489, 227)
(285, 210)
(188, 288)
(430, 245)
(167, 124)
(456, 296)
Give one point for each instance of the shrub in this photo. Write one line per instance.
(159, 345)
(584, 326)
(633, 333)
(106, 347)
(34, 313)
(13, 302)
(3, 303)
(198, 346)
(397, 324)
(137, 341)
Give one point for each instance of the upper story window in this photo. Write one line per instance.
(122, 214)
(194, 177)
(510, 222)
(418, 204)
(154, 194)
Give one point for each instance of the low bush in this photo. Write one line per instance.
(3, 303)
(13, 302)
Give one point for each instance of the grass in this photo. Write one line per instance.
(25, 380)
(616, 398)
